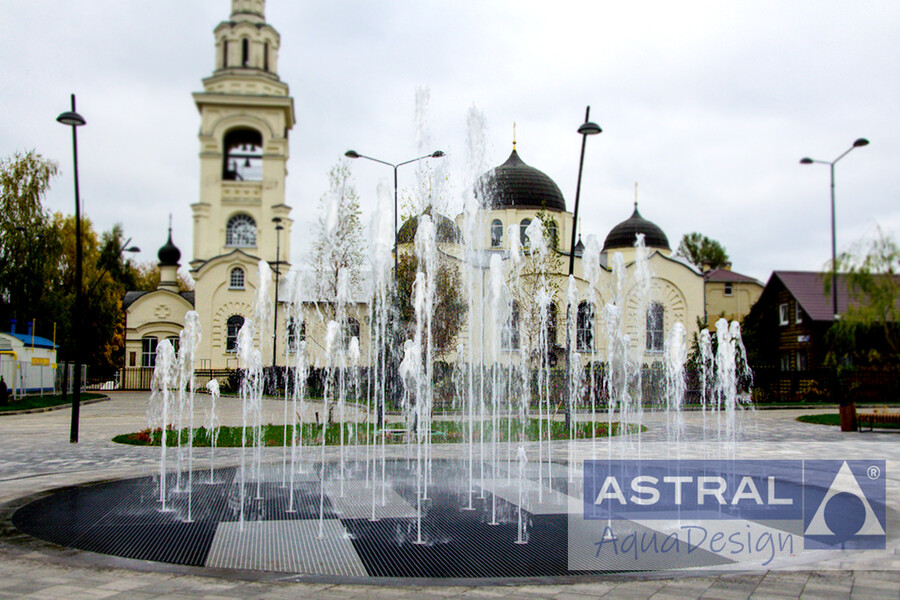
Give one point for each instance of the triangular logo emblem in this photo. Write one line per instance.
(844, 482)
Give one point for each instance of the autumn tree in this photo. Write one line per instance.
(699, 250)
(339, 242)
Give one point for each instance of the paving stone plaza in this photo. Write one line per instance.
(36, 457)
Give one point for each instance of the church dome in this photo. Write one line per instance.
(517, 185)
(446, 231)
(169, 254)
(623, 235)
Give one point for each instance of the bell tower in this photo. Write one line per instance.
(246, 112)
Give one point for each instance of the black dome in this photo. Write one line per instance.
(446, 231)
(623, 235)
(169, 254)
(516, 185)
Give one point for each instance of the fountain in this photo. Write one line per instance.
(389, 499)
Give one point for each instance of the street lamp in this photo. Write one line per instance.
(355, 154)
(74, 120)
(587, 128)
(808, 161)
(278, 228)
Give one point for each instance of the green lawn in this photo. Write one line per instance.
(29, 402)
(274, 435)
(835, 419)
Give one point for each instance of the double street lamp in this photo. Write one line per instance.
(74, 120)
(808, 161)
(355, 154)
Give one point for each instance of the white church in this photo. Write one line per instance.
(242, 216)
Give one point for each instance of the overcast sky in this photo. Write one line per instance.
(708, 106)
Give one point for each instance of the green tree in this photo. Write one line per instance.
(449, 307)
(869, 329)
(28, 244)
(699, 249)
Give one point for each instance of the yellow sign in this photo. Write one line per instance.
(44, 362)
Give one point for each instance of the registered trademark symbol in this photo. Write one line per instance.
(873, 472)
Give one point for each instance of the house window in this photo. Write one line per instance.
(585, 327)
(241, 232)
(785, 361)
(802, 360)
(655, 321)
(798, 313)
(132, 359)
(509, 334)
(236, 279)
(232, 327)
(148, 351)
(174, 341)
(496, 233)
(783, 314)
(729, 291)
(523, 237)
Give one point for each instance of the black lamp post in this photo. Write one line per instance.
(75, 120)
(808, 161)
(355, 154)
(278, 228)
(587, 128)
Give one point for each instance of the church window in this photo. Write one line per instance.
(243, 155)
(224, 54)
(552, 318)
(351, 330)
(496, 233)
(241, 232)
(523, 237)
(552, 233)
(148, 351)
(236, 279)
(585, 327)
(655, 321)
(266, 57)
(509, 334)
(245, 52)
(296, 333)
(232, 327)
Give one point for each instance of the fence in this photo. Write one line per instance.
(22, 377)
(863, 385)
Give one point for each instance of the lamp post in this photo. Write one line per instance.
(355, 154)
(74, 120)
(587, 128)
(808, 161)
(278, 228)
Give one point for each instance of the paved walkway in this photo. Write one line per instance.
(35, 456)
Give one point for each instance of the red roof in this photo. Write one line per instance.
(727, 275)
(808, 288)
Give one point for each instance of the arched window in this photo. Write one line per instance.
(584, 332)
(241, 232)
(655, 322)
(552, 234)
(552, 316)
(523, 237)
(266, 57)
(509, 334)
(148, 351)
(175, 342)
(243, 155)
(233, 326)
(496, 233)
(245, 52)
(236, 279)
